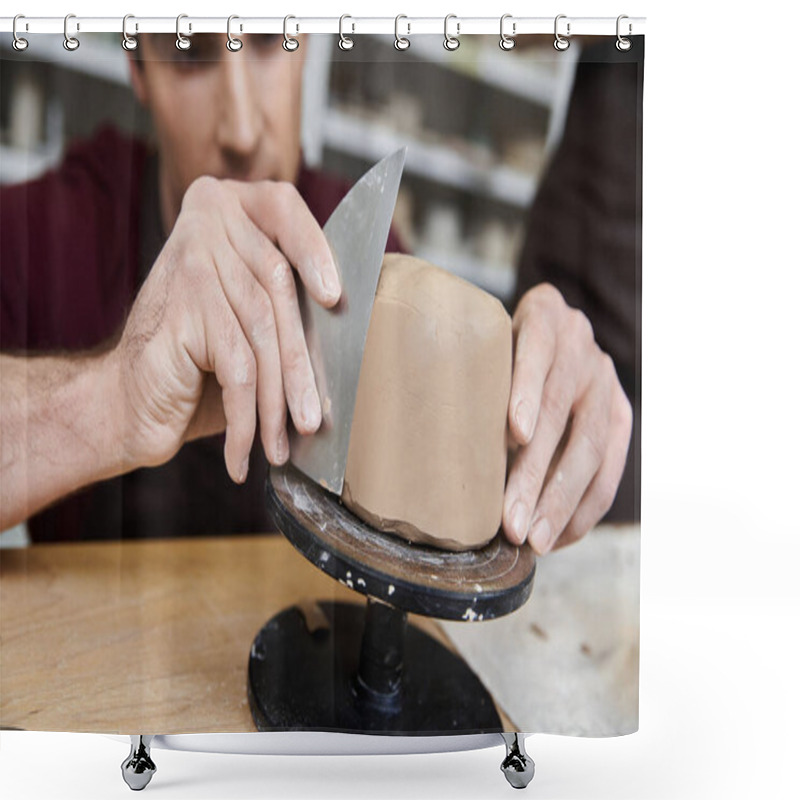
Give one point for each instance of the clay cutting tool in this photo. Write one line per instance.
(357, 232)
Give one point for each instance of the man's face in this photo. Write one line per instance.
(229, 115)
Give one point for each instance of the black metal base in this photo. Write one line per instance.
(335, 676)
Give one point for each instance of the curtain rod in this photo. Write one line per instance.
(404, 25)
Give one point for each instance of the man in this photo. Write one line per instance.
(213, 340)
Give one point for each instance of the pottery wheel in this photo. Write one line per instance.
(475, 585)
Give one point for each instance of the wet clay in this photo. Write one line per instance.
(427, 454)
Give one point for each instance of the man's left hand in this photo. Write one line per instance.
(571, 419)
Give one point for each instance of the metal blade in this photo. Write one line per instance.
(356, 232)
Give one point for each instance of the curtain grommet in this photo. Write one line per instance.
(18, 43)
(623, 44)
(290, 43)
(560, 42)
(451, 43)
(129, 43)
(507, 42)
(233, 44)
(70, 43)
(401, 42)
(345, 42)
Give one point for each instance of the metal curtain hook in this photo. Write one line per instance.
(128, 42)
(181, 42)
(19, 44)
(290, 43)
(345, 42)
(400, 42)
(451, 42)
(70, 42)
(233, 44)
(560, 42)
(506, 42)
(623, 44)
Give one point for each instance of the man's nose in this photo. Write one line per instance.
(239, 126)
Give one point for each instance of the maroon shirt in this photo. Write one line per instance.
(75, 246)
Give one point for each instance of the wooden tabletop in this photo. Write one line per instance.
(145, 636)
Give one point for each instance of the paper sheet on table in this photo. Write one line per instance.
(568, 661)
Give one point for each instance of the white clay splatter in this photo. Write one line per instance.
(391, 590)
(469, 615)
(256, 653)
(361, 582)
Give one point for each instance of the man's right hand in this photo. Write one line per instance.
(215, 333)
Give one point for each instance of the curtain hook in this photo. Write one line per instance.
(233, 44)
(19, 44)
(560, 42)
(451, 43)
(129, 43)
(182, 42)
(345, 42)
(70, 42)
(290, 43)
(623, 44)
(400, 42)
(506, 41)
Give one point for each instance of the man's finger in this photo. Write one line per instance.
(272, 270)
(535, 343)
(528, 472)
(254, 310)
(281, 213)
(603, 489)
(569, 478)
(231, 359)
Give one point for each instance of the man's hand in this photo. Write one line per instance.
(572, 421)
(215, 333)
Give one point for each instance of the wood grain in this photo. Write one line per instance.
(145, 636)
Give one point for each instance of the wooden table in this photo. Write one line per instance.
(145, 636)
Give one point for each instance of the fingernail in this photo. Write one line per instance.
(540, 536)
(282, 447)
(524, 419)
(330, 281)
(519, 520)
(310, 409)
(243, 470)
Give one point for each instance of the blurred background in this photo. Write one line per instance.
(479, 123)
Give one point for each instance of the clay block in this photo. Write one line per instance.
(427, 454)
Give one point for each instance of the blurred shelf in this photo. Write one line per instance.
(23, 165)
(498, 280)
(97, 57)
(520, 76)
(371, 141)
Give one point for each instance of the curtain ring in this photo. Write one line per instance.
(233, 44)
(290, 43)
(451, 43)
(506, 41)
(19, 44)
(400, 42)
(182, 42)
(129, 43)
(345, 42)
(560, 42)
(623, 44)
(70, 42)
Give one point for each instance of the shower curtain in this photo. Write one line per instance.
(137, 583)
